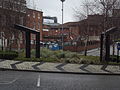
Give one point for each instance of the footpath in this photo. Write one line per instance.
(59, 67)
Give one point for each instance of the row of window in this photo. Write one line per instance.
(34, 16)
(9, 20)
(35, 24)
(21, 7)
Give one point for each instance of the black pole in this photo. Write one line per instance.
(27, 34)
(38, 45)
(62, 29)
(85, 48)
(117, 55)
(101, 47)
(107, 43)
(2, 43)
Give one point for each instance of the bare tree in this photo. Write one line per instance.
(101, 7)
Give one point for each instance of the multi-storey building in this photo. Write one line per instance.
(75, 33)
(11, 12)
(34, 20)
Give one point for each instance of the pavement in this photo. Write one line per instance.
(59, 67)
(19, 80)
(96, 51)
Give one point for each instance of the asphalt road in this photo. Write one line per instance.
(14, 80)
(96, 51)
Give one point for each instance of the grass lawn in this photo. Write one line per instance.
(60, 56)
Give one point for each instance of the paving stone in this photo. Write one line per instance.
(7, 64)
(49, 67)
(73, 68)
(83, 68)
(26, 65)
(95, 68)
(113, 68)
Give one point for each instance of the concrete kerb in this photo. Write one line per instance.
(60, 72)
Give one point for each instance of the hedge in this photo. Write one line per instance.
(8, 55)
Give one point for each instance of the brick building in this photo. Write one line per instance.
(76, 32)
(92, 27)
(11, 12)
(48, 24)
(15, 12)
(34, 20)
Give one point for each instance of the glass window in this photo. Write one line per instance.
(38, 15)
(1, 3)
(33, 15)
(21, 20)
(34, 25)
(38, 25)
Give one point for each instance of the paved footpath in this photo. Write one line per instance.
(60, 67)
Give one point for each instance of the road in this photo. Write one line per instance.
(96, 51)
(15, 80)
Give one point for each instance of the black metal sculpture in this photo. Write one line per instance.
(28, 31)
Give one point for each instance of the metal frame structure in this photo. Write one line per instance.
(28, 31)
(105, 44)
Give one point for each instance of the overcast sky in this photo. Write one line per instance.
(53, 8)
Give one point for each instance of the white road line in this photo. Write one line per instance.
(38, 81)
(10, 81)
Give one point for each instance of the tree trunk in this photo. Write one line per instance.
(18, 42)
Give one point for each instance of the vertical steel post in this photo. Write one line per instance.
(38, 45)
(117, 55)
(27, 34)
(107, 43)
(1, 35)
(62, 29)
(101, 47)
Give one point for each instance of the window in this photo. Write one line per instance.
(33, 36)
(38, 25)
(0, 19)
(33, 15)
(28, 15)
(21, 20)
(34, 25)
(1, 3)
(4, 20)
(38, 15)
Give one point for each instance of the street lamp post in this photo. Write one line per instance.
(62, 26)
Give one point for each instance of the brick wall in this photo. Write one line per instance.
(81, 48)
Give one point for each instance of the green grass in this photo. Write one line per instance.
(59, 56)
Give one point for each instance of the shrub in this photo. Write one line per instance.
(27, 59)
(8, 55)
(46, 53)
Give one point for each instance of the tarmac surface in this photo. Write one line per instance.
(16, 80)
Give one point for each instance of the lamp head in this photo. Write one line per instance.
(62, 0)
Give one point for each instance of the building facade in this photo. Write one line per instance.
(34, 20)
(11, 12)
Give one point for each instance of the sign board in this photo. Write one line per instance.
(118, 46)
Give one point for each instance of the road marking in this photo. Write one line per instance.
(10, 81)
(38, 81)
